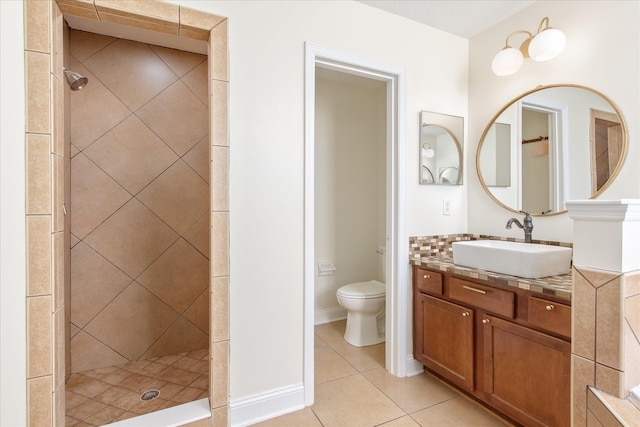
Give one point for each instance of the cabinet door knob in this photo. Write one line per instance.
(485, 321)
(426, 276)
(465, 314)
(550, 307)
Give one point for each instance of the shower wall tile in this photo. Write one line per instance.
(220, 178)
(170, 28)
(89, 353)
(89, 208)
(57, 184)
(609, 322)
(220, 244)
(37, 22)
(83, 44)
(610, 380)
(123, 78)
(56, 30)
(40, 333)
(179, 196)
(38, 92)
(159, 12)
(79, 8)
(132, 238)
(38, 255)
(180, 61)
(198, 235)
(583, 336)
(58, 271)
(38, 155)
(220, 309)
(90, 119)
(219, 378)
(219, 127)
(58, 348)
(199, 159)
(218, 53)
(39, 401)
(194, 19)
(177, 116)
(583, 376)
(198, 312)
(195, 34)
(178, 276)
(181, 336)
(57, 126)
(197, 80)
(131, 154)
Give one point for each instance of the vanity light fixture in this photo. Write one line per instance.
(545, 45)
(428, 151)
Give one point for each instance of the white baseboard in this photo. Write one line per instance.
(170, 417)
(330, 315)
(414, 367)
(251, 410)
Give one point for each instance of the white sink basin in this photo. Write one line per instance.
(514, 258)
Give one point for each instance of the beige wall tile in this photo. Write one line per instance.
(83, 44)
(219, 376)
(193, 33)
(57, 42)
(197, 19)
(220, 416)
(583, 375)
(180, 61)
(57, 191)
(583, 322)
(599, 411)
(198, 235)
(631, 356)
(220, 244)
(597, 277)
(40, 333)
(609, 322)
(37, 24)
(198, 81)
(143, 23)
(199, 312)
(57, 117)
(218, 52)
(79, 8)
(219, 113)
(180, 337)
(154, 11)
(58, 261)
(610, 380)
(220, 309)
(59, 416)
(199, 158)
(592, 421)
(89, 353)
(38, 174)
(38, 90)
(59, 328)
(219, 178)
(39, 401)
(38, 255)
(632, 284)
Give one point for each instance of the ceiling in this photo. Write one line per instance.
(465, 18)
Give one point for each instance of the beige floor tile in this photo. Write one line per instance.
(353, 401)
(406, 421)
(458, 412)
(412, 393)
(302, 418)
(362, 358)
(329, 365)
(317, 342)
(331, 332)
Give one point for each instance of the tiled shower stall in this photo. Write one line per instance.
(201, 306)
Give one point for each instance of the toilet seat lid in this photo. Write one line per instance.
(370, 289)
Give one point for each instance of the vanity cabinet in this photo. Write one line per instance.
(508, 347)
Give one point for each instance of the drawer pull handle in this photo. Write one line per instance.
(469, 288)
(465, 314)
(426, 276)
(485, 321)
(549, 307)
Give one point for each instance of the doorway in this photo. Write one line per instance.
(398, 315)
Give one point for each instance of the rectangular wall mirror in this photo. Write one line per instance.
(441, 153)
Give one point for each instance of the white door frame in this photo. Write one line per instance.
(398, 317)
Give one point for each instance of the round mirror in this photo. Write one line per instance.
(552, 144)
(440, 156)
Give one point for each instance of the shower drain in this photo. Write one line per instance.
(149, 395)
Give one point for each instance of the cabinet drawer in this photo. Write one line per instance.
(551, 316)
(429, 281)
(487, 298)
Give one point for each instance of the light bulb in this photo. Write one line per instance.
(547, 44)
(507, 61)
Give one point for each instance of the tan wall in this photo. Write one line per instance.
(139, 202)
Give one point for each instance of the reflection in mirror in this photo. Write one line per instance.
(440, 149)
(565, 142)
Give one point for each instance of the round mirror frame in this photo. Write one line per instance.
(460, 156)
(614, 174)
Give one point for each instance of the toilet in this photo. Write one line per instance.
(365, 305)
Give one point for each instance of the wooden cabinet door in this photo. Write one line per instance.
(527, 373)
(444, 338)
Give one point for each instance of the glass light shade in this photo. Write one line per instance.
(547, 44)
(507, 61)
(429, 153)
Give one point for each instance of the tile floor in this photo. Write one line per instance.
(354, 390)
(106, 395)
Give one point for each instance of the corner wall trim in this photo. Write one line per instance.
(261, 407)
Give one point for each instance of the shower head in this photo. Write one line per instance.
(76, 81)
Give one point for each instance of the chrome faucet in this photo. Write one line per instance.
(527, 225)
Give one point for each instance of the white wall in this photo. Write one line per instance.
(266, 42)
(602, 52)
(350, 128)
(13, 357)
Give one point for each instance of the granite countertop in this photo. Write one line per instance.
(557, 286)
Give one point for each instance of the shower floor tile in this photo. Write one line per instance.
(106, 395)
